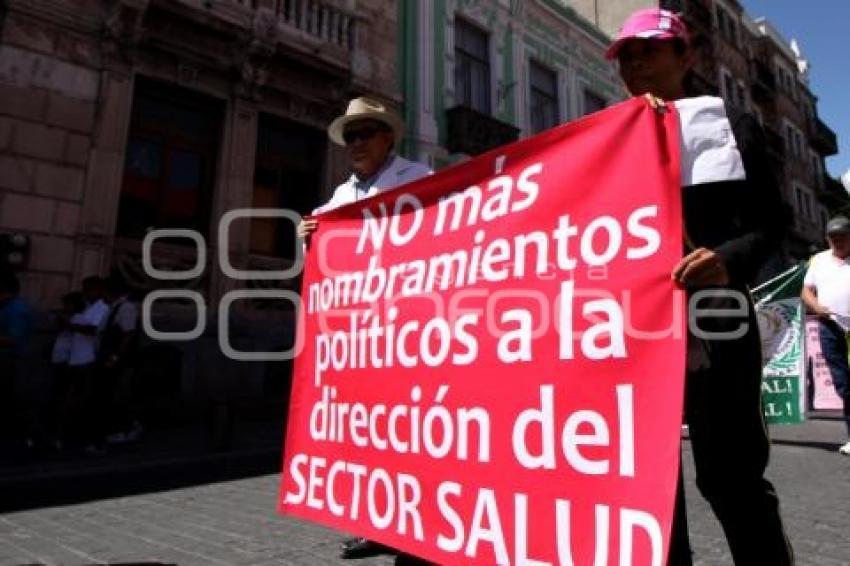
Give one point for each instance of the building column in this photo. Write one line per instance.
(103, 176)
(426, 111)
(234, 189)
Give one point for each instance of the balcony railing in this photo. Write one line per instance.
(329, 22)
(319, 19)
(764, 86)
(823, 138)
(775, 151)
(473, 133)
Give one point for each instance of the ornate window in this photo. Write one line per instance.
(472, 67)
(543, 96)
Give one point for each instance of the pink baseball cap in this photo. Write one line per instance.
(650, 23)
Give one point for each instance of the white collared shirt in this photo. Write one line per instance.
(84, 346)
(398, 171)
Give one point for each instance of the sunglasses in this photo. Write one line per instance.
(365, 134)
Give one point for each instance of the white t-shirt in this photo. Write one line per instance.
(83, 346)
(398, 171)
(829, 276)
(62, 347)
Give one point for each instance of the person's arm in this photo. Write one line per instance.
(810, 299)
(309, 224)
(701, 268)
(306, 227)
(91, 323)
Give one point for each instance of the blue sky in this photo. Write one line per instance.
(821, 29)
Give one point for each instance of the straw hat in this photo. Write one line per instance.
(364, 108)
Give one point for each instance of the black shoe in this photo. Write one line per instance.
(363, 548)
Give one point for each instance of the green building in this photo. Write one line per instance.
(476, 74)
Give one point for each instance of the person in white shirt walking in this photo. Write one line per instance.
(826, 293)
(86, 327)
(114, 383)
(64, 392)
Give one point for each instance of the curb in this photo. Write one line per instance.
(85, 483)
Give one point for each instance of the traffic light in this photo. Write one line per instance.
(14, 250)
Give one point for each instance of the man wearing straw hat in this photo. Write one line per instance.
(369, 132)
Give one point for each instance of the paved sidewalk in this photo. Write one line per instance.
(163, 458)
(813, 482)
(233, 522)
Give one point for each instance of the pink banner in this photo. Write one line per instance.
(471, 394)
(824, 396)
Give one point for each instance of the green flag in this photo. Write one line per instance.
(780, 316)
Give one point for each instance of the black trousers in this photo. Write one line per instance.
(730, 448)
(833, 344)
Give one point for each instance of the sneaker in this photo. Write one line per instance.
(845, 449)
(360, 547)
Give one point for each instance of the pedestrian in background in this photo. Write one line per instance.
(116, 355)
(85, 328)
(63, 395)
(15, 335)
(826, 293)
(732, 225)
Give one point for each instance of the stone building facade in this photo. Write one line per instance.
(121, 117)
(480, 73)
(784, 103)
(118, 117)
(752, 66)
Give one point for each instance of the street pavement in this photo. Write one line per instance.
(234, 522)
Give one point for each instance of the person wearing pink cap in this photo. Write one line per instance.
(734, 220)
